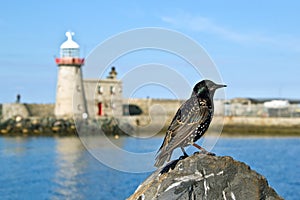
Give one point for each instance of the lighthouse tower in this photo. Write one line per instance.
(70, 99)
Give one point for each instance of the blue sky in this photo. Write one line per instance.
(256, 46)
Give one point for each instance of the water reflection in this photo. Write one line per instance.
(124, 154)
(70, 165)
(15, 146)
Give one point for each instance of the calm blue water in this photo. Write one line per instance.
(61, 168)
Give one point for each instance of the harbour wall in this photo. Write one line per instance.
(262, 121)
(24, 110)
(157, 115)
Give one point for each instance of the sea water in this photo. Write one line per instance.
(62, 168)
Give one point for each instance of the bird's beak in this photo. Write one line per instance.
(220, 86)
(217, 86)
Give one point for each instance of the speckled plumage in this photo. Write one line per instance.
(190, 122)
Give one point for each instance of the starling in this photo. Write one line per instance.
(190, 122)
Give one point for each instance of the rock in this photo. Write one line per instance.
(205, 177)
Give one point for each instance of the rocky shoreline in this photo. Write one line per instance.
(259, 130)
(51, 126)
(37, 127)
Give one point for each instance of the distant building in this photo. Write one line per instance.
(104, 97)
(263, 107)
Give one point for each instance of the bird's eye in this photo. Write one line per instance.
(200, 90)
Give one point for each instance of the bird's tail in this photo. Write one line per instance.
(161, 158)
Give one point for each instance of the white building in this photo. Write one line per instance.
(104, 97)
(70, 99)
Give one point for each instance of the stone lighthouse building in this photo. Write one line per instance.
(70, 99)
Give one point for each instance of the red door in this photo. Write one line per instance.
(100, 109)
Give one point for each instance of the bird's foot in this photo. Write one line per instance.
(171, 165)
(208, 153)
(183, 157)
(203, 151)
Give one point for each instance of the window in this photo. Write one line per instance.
(100, 89)
(112, 90)
(78, 88)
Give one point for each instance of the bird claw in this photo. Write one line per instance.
(171, 165)
(208, 153)
(183, 157)
(205, 153)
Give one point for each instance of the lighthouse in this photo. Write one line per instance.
(70, 99)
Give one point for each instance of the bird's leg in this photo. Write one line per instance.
(199, 147)
(184, 153)
(203, 150)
